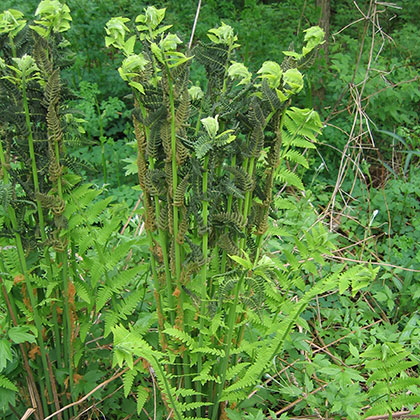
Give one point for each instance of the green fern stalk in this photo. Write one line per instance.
(63, 261)
(204, 247)
(22, 262)
(178, 250)
(222, 368)
(163, 240)
(43, 237)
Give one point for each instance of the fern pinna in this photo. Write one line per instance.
(207, 163)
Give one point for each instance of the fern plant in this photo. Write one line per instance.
(57, 234)
(392, 387)
(207, 163)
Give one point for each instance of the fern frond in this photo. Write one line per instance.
(226, 243)
(241, 178)
(234, 219)
(302, 122)
(179, 196)
(297, 157)
(182, 336)
(202, 146)
(128, 380)
(183, 110)
(52, 88)
(142, 396)
(213, 57)
(270, 96)
(153, 143)
(6, 383)
(289, 177)
(82, 291)
(235, 370)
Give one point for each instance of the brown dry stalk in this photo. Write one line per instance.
(33, 391)
(101, 385)
(28, 413)
(291, 405)
(54, 388)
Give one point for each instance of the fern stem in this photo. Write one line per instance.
(22, 261)
(11, 306)
(178, 250)
(204, 248)
(163, 240)
(222, 371)
(228, 210)
(248, 198)
(63, 260)
(43, 235)
(3, 165)
(102, 140)
(174, 179)
(33, 158)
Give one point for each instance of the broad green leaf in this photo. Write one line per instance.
(272, 72)
(5, 353)
(21, 334)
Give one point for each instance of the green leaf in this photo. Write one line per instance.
(142, 395)
(82, 291)
(21, 334)
(239, 71)
(272, 72)
(246, 263)
(5, 353)
(7, 384)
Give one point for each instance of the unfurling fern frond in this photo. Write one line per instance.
(152, 98)
(162, 221)
(155, 117)
(165, 135)
(183, 227)
(140, 135)
(183, 110)
(52, 88)
(256, 114)
(182, 153)
(228, 245)
(302, 122)
(241, 178)
(226, 287)
(256, 142)
(234, 219)
(270, 96)
(153, 143)
(6, 194)
(155, 182)
(179, 197)
(181, 77)
(213, 57)
(41, 55)
(196, 257)
(202, 146)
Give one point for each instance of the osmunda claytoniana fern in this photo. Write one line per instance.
(208, 163)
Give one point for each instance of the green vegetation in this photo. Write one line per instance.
(218, 222)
